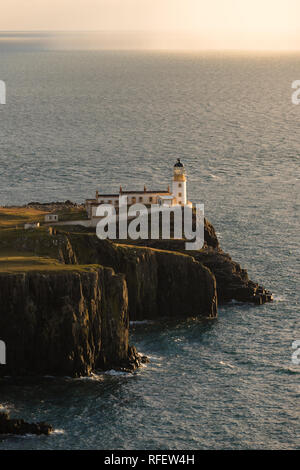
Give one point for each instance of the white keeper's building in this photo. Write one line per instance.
(176, 197)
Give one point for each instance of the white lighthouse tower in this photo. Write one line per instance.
(179, 184)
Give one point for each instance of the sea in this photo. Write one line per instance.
(77, 121)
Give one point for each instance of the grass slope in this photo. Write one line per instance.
(18, 216)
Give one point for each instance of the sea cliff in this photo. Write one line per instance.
(68, 322)
(160, 283)
(66, 297)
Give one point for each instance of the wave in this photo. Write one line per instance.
(226, 364)
(279, 298)
(92, 377)
(58, 431)
(288, 370)
(118, 373)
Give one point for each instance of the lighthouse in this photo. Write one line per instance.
(179, 184)
(162, 197)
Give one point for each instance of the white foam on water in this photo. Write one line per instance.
(226, 364)
(6, 407)
(143, 365)
(293, 369)
(279, 298)
(58, 431)
(153, 357)
(118, 373)
(93, 377)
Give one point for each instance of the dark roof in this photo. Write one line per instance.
(143, 192)
(134, 192)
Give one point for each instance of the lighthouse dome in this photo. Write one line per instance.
(178, 164)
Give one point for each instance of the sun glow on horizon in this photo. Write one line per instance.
(188, 24)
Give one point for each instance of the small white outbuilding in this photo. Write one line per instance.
(51, 218)
(33, 225)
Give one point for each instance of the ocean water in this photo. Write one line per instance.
(75, 122)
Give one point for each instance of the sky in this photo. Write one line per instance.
(195, 24)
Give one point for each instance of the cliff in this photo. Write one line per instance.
(160, 283)
(66, 298)
(68, 322)
(232, 281)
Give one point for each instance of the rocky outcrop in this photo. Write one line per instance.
(68, 322)
(20, 427)
(160, 283)
(233, 282)
(210, 236)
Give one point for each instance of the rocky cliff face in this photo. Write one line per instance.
(160, 283)
(64, 323)
(232, 281)
(74, 318)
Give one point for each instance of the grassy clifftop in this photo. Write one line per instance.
(16, 217)
(161, 283)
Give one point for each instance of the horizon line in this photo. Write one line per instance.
(180, 33)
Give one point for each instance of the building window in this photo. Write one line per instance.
(140, 199)
(179, 185)
(116, 202)
(179, 194)
(109, 202)
(150, 199)
(102, 202)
